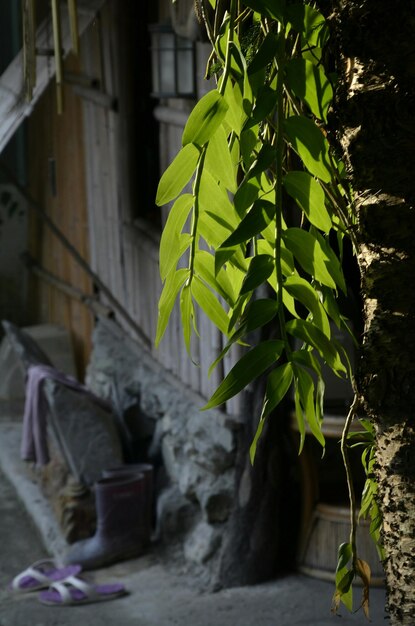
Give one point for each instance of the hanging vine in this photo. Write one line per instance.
(253, 148)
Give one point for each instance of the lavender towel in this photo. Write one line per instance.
(34, 437)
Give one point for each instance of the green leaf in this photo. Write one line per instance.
(260, 268)
(265, 103)
(311, 85)
(210, 305)
(257, 314)
(235, 115)
(174, 282)
(306, 399)
(332, 262)
(307, 359)
(238, 310)
(220, 282)
(312, 336)
(223, 255)
(302, 291)
(250, 145)
(178, 174)
(299, 415)
(171, 244)
(311, 146)
(218, 160)
(246, 195)
(313, 257)
(247, 369)
(238, 63)
(344, 585)
(287, 260)
(205, 119)
(213, 198)
(278, 383)
(263, 160)
(273, 10)
(344, 555)
(306, 20)
(254, 222)
(265, 53)
(213, 229)
(310, 198)
(254, 444)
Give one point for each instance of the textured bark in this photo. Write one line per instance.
(376, 122)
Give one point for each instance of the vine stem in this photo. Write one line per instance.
(278, 188)
(196, 189)
(349, 477)
(228, 60)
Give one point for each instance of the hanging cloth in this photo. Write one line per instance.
(34, 445)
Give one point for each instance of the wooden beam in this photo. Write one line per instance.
(90, 301)
(13, 105)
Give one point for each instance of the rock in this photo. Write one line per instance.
(175, 514)
(202, 543)
(84, 430)
(217, 497)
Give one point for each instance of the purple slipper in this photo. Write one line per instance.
(41, 575)
(74, 590)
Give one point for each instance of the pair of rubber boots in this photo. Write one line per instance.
(123, 501)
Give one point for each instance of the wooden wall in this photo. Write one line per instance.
(56, 141)
(124, 247)
(97, 205)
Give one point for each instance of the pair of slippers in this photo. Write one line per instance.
(61, 586)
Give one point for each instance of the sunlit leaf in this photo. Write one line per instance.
(205, 119)
(312, 336)
(310, 84)
(235, 116)
(248, 368)
(246, 195)
(254, 222)
(309, 196)
(311, 145)
(218, 160)
(260, 268)
(178, 174)
(172, 286)
(287, 260)
(310, 255)
(220, 281)
(172, 245)
(210, 305)
(302, 291)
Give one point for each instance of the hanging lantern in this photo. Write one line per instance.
(173, 63)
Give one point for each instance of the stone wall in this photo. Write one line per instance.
(193, 451)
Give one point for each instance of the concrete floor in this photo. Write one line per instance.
(159, 595)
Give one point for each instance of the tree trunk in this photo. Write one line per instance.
(375, 115)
